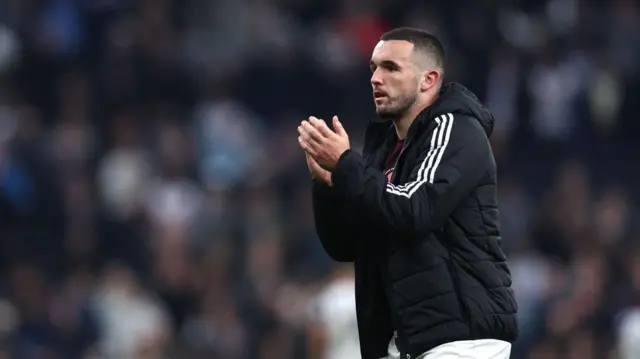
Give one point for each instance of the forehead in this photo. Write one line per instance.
(392, 50)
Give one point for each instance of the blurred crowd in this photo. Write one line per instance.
(154, 203)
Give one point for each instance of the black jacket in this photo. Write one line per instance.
(426, 246)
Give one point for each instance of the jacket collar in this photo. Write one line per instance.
(426, 115)
(417, 124)
(422, 119)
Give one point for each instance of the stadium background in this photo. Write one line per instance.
(154, 202)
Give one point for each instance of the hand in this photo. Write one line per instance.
(320, 174)
(324, 145)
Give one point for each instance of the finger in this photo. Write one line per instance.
(308, 150)
(337, 126)
(322, 128)
(303, 144)
(315, 122)
(309, 145)
(312, 132)
(312, 161)
(307, 138)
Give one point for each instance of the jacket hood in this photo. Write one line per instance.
(457, 99)
(454, 98)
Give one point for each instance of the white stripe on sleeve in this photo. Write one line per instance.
(428, 167)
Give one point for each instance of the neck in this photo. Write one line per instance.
(404, 122)
(402, 125)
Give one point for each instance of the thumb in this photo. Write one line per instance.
(337, 126)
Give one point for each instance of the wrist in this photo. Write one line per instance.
(323, 182)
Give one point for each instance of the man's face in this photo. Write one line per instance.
(395, 78)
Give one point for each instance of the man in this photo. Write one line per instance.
(417, 212)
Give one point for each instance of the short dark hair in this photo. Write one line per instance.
(422, 40)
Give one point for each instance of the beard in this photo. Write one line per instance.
(396, 106)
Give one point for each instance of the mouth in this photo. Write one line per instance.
(379, 94)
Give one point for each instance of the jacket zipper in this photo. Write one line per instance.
(399, 335)
(395, 165)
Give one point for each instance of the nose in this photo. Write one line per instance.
(376, 79)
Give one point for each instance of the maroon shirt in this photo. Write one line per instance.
(392, 158)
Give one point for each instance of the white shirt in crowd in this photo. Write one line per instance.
(335, 309)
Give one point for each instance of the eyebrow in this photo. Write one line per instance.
(385, 63)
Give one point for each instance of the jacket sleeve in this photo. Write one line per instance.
(333, 228)
(451, 165)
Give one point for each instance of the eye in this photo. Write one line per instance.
(391, 66)
(388, 66)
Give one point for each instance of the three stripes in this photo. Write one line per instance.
(429, 166)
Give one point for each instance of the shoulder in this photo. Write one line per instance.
(450, 128)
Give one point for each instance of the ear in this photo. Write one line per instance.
(429, 80)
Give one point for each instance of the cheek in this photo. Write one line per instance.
(404, 85)
(412, 86)
(401, 90)
(395, 85)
